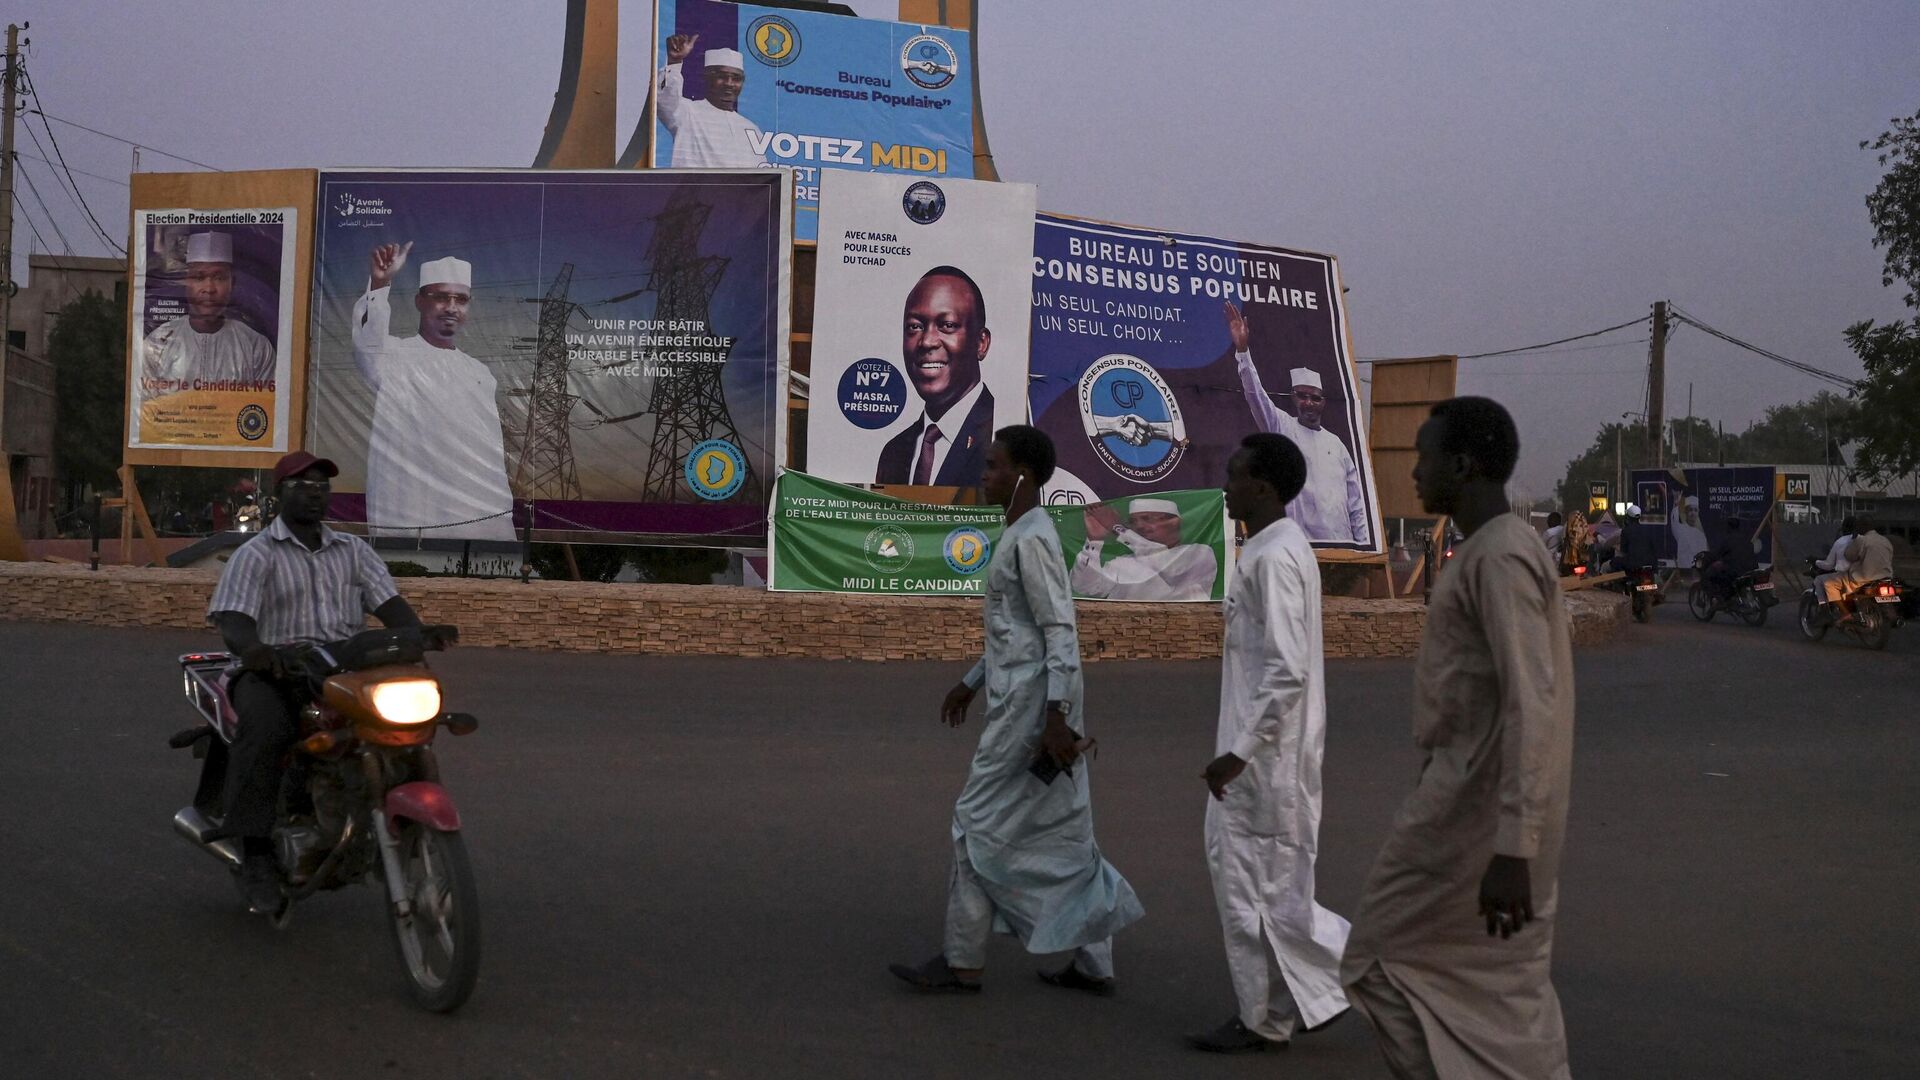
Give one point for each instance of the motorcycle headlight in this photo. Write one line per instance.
(407, 701)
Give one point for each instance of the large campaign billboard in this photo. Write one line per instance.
(741, 86)
(1694, 509)
(1154, 353)
(920, 327)
(213, 294)
(605, 351)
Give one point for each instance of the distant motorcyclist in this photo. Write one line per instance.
(1869, 557)
(1731, 559)
(1639, 544)
(295, 582)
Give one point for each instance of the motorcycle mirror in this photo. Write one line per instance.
(460, 723)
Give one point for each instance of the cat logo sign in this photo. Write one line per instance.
(1599, 497)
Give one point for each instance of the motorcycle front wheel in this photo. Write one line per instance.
(1810, 623)
(439, 940)
(1699, 602)
(1751, 610)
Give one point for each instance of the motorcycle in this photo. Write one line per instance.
(1749, 597)
(1643, 585)
(1876, 607)
(374, 807)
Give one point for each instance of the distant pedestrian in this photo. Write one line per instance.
(1452, 944)
(1263, 820)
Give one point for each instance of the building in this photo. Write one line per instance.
(53, 281)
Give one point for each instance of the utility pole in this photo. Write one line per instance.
(9, 88)
(1657, 385)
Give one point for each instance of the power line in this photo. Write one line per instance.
(1561, 341)
(1805, 369)
(51, 220)
(35, 91)
(58, 181)
(82, 172)
(45, 116)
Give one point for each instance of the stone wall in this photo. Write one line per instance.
(716, 620)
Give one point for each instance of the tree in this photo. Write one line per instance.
(1797, 434)
(1889, 397)
(1617, 445)
(87, 349)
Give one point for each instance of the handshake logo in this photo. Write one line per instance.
(1131, 418)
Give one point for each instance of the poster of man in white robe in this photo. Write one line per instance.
(1155, 352)
(211, 352)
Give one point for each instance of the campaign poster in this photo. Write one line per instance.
(1173, 547)
(1695, 509)
(1155, 353)
(739, 86)
(212, 349)
(920, 327)
(601, 355)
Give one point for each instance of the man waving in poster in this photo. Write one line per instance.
(1158, 565)
(1332, 506)
(436, 455)
(708, 133)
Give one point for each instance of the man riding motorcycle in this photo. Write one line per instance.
(1731, 559)
(1639, 544)
(1868, 557)
(296, 582)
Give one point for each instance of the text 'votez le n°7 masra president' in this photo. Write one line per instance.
(436, 453)
(708, 133)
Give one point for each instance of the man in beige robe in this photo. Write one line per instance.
(1452, 943)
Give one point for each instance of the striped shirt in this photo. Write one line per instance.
(297, 595)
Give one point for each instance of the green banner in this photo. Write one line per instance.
(828, 537)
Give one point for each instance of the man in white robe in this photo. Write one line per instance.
(1263, 820)
(708, 133)
(204, 345)
(1452, 945)
(1024, 858)
(1332, 506)
(1157, 567)
(436, 453)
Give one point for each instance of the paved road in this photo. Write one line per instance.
(700, 868)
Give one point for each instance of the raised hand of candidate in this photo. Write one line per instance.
(953, 711)
(1506, 895)
(1237, 328)
(386, 261)
(680, 46)
(1101, 520)
(1222, 771)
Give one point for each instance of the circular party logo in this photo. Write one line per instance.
(930, 62)
(889, 549)
(252, 422)
(774, 41)
(1132, 418)
(924, 202)
(873, 393)
(967, 549)
(716, 469)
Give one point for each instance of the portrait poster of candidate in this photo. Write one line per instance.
(607, 348)
(740, 86)
(1155, 353)
(212, 345)
(920, 327)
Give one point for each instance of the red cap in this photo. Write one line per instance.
(300, 461)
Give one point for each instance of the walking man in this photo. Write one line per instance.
(1263, 822)
(1452, 944)
(1024, 857)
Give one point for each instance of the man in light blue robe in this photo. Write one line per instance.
(1024, 858)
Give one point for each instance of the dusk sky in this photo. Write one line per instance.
(1490, 174)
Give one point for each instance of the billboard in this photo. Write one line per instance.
(825, 537)
(920, 331)
(609, 346)
(1695, 506)
(1155, 353)
(739, 86)
(213, 293)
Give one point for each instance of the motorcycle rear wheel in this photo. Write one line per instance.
(1875, 628)
(1642, 607)
(439, 942)
(1750, 609)
(1700, 603)
(1810, 623)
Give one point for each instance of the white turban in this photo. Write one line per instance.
(211, 247)
(725, 58)
(1305, 377)
(447, 271)
(1153, 506)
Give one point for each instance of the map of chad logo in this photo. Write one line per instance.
(716, 469)
(1132, 419)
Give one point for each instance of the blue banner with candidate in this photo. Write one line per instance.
(1154, 353)
(1698, 510)
(739, 86)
